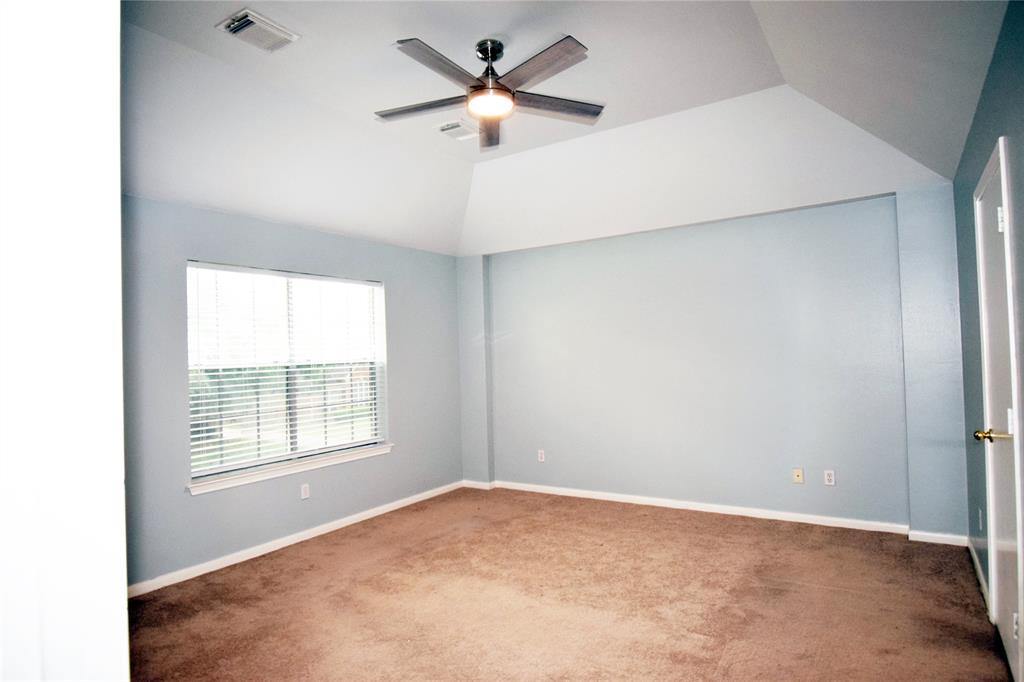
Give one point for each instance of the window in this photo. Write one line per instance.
(281, 366)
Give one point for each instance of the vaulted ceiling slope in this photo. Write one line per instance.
(909, 72)
(196, 130)
(699, 124)
(766, 151)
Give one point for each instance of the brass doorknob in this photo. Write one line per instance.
(990, 435)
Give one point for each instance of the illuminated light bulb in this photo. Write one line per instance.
(490, 103)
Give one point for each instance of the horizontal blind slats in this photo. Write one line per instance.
(247, 454)
(280, 366)
(252, 449)
(236, 411)
(338, 394)
(271, 383)
(207, 391)
(269, 427)
(209, 469)
(274, 429)
(233, 372)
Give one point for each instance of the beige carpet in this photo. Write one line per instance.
(505, 585)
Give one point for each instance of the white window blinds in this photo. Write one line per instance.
(281, 366)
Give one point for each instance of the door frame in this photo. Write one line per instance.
(1000, 161)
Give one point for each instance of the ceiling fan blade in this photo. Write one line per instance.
(437, 62)
(489, 132)
(581, 112)
(546, 63)
(422, 108)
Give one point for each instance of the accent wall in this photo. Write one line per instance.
(704, 363)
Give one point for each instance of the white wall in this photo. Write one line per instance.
(61, 458)
(771, 150)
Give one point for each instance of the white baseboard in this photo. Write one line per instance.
(252, 552)
(479, 485)
(938, 538)
(797, 517)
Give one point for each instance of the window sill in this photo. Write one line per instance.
(245, 477)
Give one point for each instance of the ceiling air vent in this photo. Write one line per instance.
(460, 130)
(257, 30)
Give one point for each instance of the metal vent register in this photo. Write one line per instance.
(460, 130)
(257, 30)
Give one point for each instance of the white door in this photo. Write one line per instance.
(1002, 448)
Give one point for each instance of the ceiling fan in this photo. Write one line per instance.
(491, 97)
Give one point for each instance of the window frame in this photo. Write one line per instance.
(304, 460)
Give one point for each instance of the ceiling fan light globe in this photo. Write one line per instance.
(490, 103)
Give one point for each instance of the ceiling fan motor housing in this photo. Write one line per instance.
(490, 50)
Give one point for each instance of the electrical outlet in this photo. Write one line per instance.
(798, 475)
(830, 477)
(540, 455)
(304, 491)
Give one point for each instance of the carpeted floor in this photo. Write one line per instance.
(503, 585)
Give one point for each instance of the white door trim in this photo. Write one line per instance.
(998, 162)
(1010, 214)
(991, 168)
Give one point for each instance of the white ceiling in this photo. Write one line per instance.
(644, 60)
(290, 136)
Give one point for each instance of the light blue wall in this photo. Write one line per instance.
(703, 363)
(699, 363)
(931, 359)
(169, 529)
(477, 461)
(1000, 112)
